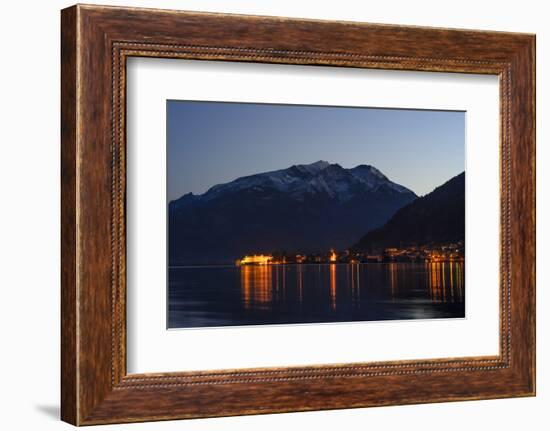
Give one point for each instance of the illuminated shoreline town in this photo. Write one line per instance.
(451, 252)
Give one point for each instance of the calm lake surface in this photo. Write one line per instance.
(280, 294)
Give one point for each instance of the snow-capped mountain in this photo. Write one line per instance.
(302, 208)
(300, 181)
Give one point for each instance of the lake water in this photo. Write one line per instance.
(283, 294)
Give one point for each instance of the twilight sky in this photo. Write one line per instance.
(210, 143)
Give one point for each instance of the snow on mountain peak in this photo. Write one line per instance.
(313, 168)
(318, 177)
(368, 170)
(319, 164)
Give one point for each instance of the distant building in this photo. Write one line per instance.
(257, 259)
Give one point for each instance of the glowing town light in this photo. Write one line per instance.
(257, 259)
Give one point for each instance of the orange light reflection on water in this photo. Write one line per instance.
(439, 274)
(333, 286)
(256, 285)
(263, 285)
(392, 268)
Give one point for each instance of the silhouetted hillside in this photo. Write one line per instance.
(435, 218)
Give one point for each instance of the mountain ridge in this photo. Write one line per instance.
(435, 218)
(310, 208)
(284, 179)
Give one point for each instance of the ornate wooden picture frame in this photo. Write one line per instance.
(96, 41)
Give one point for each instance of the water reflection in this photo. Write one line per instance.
(300, 281)
(333, 286)
(443, 274)
(262, 294)
(354, 280)
(263, 284)
(392, 269)
(256, 286)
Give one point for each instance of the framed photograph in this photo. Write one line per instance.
(257, 237)
(264, 215)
